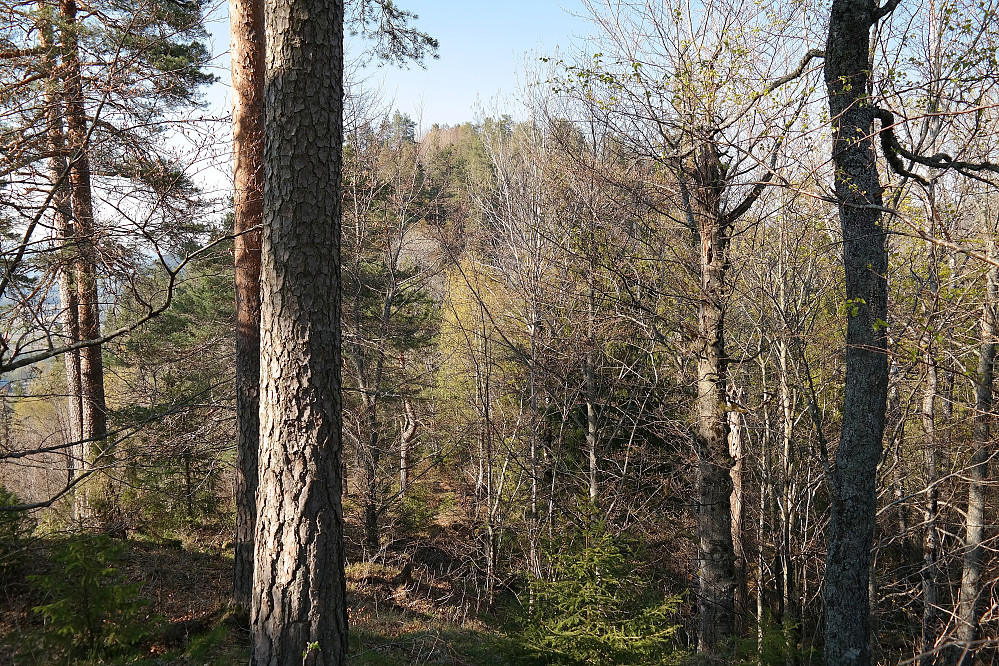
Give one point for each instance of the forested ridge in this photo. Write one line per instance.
(687, 358)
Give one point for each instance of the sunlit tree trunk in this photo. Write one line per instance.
(299, 613)
(930, 535)
(736, 448)
(62, 210)
(407, 439)
(590, 392)
(93, 410)
(246, 27)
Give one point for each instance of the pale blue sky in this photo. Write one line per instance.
(484, 46)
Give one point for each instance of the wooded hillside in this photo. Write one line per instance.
(689, 361)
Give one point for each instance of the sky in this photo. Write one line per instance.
(484, 47)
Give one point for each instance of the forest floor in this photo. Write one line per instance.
(413, 602)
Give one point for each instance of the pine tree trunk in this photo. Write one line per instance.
(93, 417)
(717, 570)
(865, 260)
(299, 610)
(62, 208)
(246, 21)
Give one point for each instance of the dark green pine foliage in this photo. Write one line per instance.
(172, 399)
(142, 64)
(153, 59)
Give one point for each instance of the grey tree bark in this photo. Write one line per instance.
(717, 566)
(786, 503)
(246, 20)
(299, 609)
(407, 440)
(931, 537)
(865, 259)
(590, 390)
(969, 602)
(736, 448)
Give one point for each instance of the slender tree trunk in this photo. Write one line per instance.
(736, 450)
(532, 535)
(62, 208)
(894, 408)
(717, 572)
(788, 492)
(372, 390)
(929, 572)
(299, 612)
(591, 431)
(766, 481)
(371, 459)
(865, 260)
(246, 25)
(969, 601)
(189, 488)
(407, 436)
(590, 382)
(93, 417)
(407, 439)
(482, 398)
(930, 536)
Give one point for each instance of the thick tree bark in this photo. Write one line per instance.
(969, 603)
(717, 570)
(299, 589)
(865, 259)
(91, 364)
(246, 21)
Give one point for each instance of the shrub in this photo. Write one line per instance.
(775, 644)
(14, 527)
(93, 613)
(595, 610)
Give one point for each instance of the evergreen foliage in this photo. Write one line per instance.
(14, 527)
(595, 609)
(92, 612)
(173, 383)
